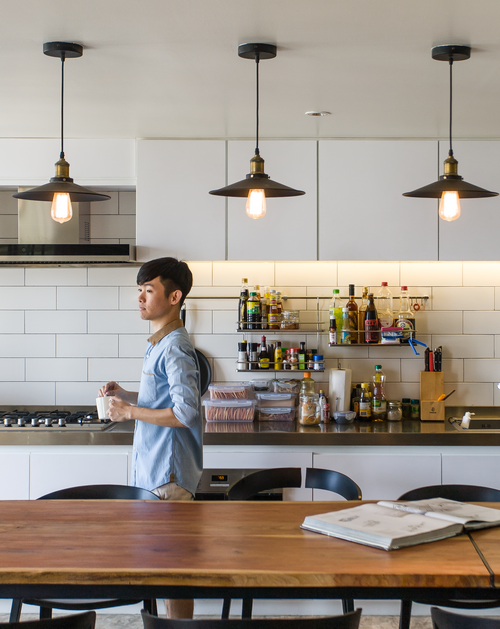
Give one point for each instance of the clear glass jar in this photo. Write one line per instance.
(289, 320)
(309, 409)
(394, 411)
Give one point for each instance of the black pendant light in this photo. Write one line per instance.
(257, 185)
(450, 187)
(61, 190)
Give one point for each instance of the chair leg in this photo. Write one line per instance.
(226, 608)
(15, 610)
(247, 608)
(150, 606)
(45, 613)
(347, 605)
(405, 615)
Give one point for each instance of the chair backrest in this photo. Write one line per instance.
(448, 620)
(205, 371)
(101, 492)
(332, 481)
(347, 621)
(264, 480)
(463, 493)
(74, 621)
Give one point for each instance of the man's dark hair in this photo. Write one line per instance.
(174, 275)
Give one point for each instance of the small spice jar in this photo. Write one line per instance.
(406, 408)
(394, 411)
(318, 363)
(415, 409)
(289, 320)
(293, 358)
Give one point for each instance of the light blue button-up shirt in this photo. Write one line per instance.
(170, 379)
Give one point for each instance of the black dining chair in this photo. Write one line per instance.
(75, 621)
(347, 621)
(447, 620)
(249, 486)
(330, 480)
(462, 493)
(205, 371)
(87, 492)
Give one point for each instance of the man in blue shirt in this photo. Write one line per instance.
(167, 453)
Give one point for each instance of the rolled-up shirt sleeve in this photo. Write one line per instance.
(182, 371)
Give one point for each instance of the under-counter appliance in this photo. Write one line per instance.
(215, 482)
(50, 419)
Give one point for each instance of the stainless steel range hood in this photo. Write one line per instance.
(43, 241)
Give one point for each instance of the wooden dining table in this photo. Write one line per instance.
(154, 549)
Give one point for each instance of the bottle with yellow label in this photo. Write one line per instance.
(365, 402)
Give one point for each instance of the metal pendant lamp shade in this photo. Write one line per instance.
(257, 180)
(62, 183)
(450, 182)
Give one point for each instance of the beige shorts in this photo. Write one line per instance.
(172, 491)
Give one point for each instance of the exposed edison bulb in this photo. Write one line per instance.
(256, 204)
(449, 206)
(61, 210)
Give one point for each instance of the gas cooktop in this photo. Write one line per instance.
(51, 419)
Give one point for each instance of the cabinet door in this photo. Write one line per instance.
(176, 216)
(382, 476)
(15, 474)
(289, 229)
(260, 461)
(473, 236)
(479, 469)
(362, 213)
(52, 471)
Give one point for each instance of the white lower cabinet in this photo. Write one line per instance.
(50, 471)
(262, 460)
(382, 476)
(15, 469)
(472, 469)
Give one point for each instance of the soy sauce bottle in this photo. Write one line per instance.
(371, 321)
(242, 306)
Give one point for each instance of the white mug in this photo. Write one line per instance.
(102, 404)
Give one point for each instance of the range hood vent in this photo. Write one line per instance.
(66, 254)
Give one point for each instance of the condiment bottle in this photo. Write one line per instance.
(365, 402)
(242, 356)
(302, 355)
(345, 334)
(371, 321)
(361, 314)
(264, 358)
(278, 356)
(273, 323)
(253, 309)
(335, 308)
(379, 403)
(332, 332)
(242, 306)
(307, 385)
(406, 318)
(385, 307)
(264, 309)
(352, 307)
(253, 355)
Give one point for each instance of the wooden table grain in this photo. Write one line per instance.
(137, 545)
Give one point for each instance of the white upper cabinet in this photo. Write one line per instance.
(176, 216)
(30, 162)
(474, 235)
(289, 229)
(362, 213)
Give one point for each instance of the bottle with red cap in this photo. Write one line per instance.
(405, 318)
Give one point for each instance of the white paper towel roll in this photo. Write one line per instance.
(340, 387)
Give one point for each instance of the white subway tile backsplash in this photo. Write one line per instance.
(200, 321)
(221, 346)
(28, 393)
(431, 273)
(56, 369)
(56, 276)
(127, 298)
(436, 322)
(481, 322)
(56, 322)
(481, 273)
(12, 321)
(116, 322)
(27, 298)
(12, 369)
(306, 273)
(113, 276)
(87, 345)
(400, 390)
(231, 273)
(368, 273)
(497, 298)
(458, 346)
(132, 345)
(77, 393)
(363, 369)
(224, 321)
(398, 351)
(87, 298)
(107, 369)
(471, 394)
(202, 273)
(12, 276)
(463, 298)
(27, 345)
(477, 370)
(453, 370)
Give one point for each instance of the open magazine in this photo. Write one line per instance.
(392, 525)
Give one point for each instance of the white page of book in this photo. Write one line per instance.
(450, 510)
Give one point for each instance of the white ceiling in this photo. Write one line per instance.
(170, 69)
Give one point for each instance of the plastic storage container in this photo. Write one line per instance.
(237, 391)
(275, 414)
(344, 417)
(286, 386)
(229, 410)
(265, 400)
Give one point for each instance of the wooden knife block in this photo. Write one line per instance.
(431, 387)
